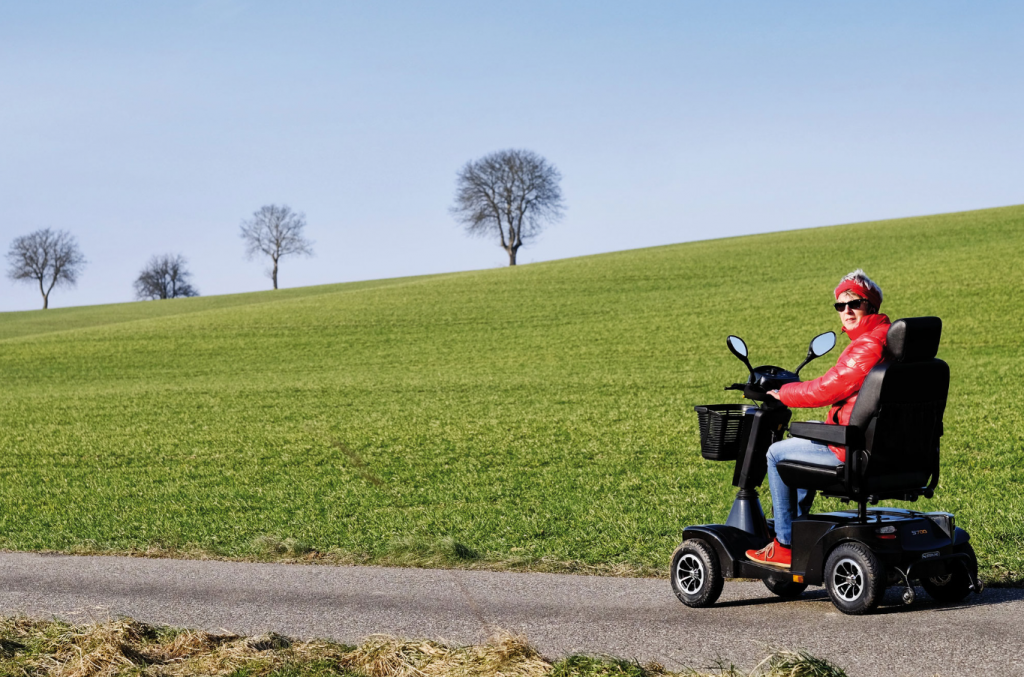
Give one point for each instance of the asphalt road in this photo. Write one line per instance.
(559, 614)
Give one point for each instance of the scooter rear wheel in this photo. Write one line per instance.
(854, 578)
(956, 582)
(696, 574)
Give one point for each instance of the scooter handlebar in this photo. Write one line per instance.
(750, 391)
(755, 392)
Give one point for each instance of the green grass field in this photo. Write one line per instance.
(538, 416)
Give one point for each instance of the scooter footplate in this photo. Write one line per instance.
(750, 569)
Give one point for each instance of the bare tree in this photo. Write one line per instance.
(276, 232)
(165, 277)
(511, 193)
(49, 258)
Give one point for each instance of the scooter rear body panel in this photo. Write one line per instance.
(916, 537)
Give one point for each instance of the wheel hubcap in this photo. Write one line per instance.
(848, 580)
(690, 573)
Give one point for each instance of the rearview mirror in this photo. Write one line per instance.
(737, 346)
(739, 349)
(822, 343)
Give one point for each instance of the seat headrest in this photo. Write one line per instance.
(914, 339)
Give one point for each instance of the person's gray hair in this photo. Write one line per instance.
(861, 278)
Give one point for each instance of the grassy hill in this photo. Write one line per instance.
(532, 416)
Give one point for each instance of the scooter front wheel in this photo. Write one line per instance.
(696, 574)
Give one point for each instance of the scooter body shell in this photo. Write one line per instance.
(918, 539)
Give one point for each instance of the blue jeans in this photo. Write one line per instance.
(793, 449)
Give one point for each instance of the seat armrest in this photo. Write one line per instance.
(840, 435)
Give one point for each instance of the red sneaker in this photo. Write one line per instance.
(774, 555)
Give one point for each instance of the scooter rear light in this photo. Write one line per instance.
(887, 533)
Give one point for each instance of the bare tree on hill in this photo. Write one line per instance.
(276, 232)
(511, 193)
(165, 277)
(49, 258)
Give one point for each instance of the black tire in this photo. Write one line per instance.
(955, 583)
(784, 587)
(696, 574)
(854, 578)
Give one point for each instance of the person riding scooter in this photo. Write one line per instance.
(858, 299)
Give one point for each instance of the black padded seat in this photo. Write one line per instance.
(824, 478)
(892, 440)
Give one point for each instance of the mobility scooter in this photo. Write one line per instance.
(892, 444)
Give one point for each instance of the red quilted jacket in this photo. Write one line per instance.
(840, 384)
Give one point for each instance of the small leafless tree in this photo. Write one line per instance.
(51, 259)
(276, 232)
(511, 193)
(165, 277)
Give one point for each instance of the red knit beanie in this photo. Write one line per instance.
(869, 293)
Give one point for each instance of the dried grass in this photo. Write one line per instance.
(783, 663)
(128, 647)
(124, 647)
(504, 655)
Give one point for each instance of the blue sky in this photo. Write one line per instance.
(146, 128)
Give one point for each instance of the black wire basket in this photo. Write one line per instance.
(723, 430)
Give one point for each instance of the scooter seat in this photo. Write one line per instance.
(810, 476)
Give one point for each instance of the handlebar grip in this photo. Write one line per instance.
(736, 386)
(753, 392)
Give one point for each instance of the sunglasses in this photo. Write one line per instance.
(855, 304)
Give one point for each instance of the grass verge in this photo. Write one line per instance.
(444, 553)
(126, 647)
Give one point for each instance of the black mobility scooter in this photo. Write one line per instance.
(892, 445)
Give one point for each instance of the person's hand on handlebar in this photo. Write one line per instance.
(775, 394)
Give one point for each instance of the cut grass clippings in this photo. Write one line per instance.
(124, 647)
(531, 418)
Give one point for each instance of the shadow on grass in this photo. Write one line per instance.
(428, 552)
